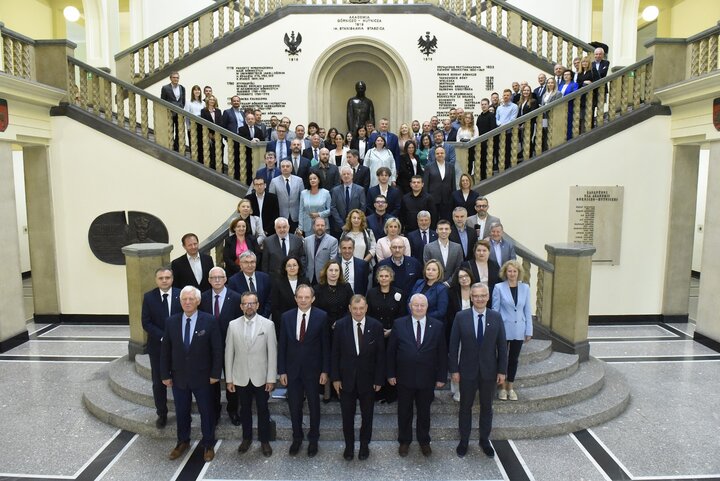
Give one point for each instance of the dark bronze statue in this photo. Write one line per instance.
(360, 109)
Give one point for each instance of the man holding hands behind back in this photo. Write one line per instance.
(478, 338)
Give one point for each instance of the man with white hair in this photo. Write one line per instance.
(280, 246)
(191, 362)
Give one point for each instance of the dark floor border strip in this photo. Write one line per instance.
(510, 461)
(703, 357)
(194, 465)
(101, 319)
(602, 320)
(84, 339)
(707, 341)
(34, 358)
(106, 456)
(675, 331)
(601, 456)
(40, 332)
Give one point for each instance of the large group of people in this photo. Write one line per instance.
(360, 267)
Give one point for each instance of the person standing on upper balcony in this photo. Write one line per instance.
(175, 94)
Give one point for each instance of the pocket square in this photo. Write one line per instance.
(371, 342)
(261, 333)
(200, 333)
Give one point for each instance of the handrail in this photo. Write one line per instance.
(18, 52)
(526, 253)
(704, 34)
(217, 239)
(560, 121)
(109, 98)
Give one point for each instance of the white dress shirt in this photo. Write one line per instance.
(299, 321)
(196, 267)
(362, 328)
(423, 322)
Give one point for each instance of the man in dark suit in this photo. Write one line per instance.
(407, 269)
(175, 94)
(449, 132)
(224, 305)
(391, 140)
(271, 169)
(439, 180)
(281, 146)
(159, 304)
(461, 234)
(191, 269)
(253, 133)
(539, 91)
(421, 237)
(600, 66)
(301, 165)
(416, 364)
(435, 250)
(280, 246)
(313, 152)
(249, 279)
(414, 202)
(303, 363)
(264, 205)
(354, 270)
(357, 371)
(361, 174)
(232, 119)
(377, 215)
(392, 195)
(190, 363)
(327, 172)
(478, 340)
(344, 198)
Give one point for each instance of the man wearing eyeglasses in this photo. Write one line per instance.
(251, 369)
(377, 215)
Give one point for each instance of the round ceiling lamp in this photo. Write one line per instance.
(650, 13)
(71, 14)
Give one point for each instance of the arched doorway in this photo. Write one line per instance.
(332, 82)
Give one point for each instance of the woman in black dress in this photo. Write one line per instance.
(239, 242)
(283, 290)
(483, 268)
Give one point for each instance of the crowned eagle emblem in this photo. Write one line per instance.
(427, 45)
(293, 42)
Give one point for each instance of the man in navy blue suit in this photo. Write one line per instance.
(250, 279)
(271, 169)
(281, 146)
(191, 362)
(478, 338)
(158, 304)
(354, 270)
(416, 364)
(407, 269)
(421, 237)
(224, 305)
(357, 372)
(303, 362)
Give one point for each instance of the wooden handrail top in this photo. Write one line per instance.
(546, 108)
(220, 234)
(174, 108)
(704, 34)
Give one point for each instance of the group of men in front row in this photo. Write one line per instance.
(193, 336)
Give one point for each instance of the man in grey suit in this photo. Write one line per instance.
(280, 246)
(501, 249)
(478, 359)
(344, 198)
(449, 253)
(287, 188)
(319, 248)
(482, 218)
(251, 368)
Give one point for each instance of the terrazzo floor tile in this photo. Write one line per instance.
(659, 348)
(639, 331)
(121, 332)
(70, 348)
(557, 459)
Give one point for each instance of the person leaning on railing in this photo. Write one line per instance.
(213, 114)
(551, 94)
(194, 107)
(583, 79)
(526, 104)
(240, 241)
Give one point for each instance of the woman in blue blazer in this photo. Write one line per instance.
(434, 289)
(512, 300)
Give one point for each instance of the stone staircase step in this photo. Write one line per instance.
(608, 403)
(581, 382)
(551, 369)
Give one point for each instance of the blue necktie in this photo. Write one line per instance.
(287, 186)
(480, 329)
(187, 335)
(347, 198)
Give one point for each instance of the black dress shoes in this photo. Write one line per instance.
(487, 449)
(234, 419)
(364, 452)
(266, 449)
(461, 449)
(161, 421)
(403, 450)
(348, 454)
(312, 450)
(295, 447)
(426, 450)
(244, 446)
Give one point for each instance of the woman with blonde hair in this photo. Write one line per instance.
(356, 228)
(432, 286)
(393, 229)
(255, 227)
(511, 299)
(403, 136)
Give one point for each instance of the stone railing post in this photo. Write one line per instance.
(141, 260)
(162, 124)
(258, 154)
(670, 61)
(569, 306)
(514, 27)
(51, 64)
(206, 29)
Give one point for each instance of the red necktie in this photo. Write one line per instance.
(217, 306)
(418, 335)
(302, 329)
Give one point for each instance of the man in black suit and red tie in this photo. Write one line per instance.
(357, 372)
(191, 362)
(159, 304)
(416, 364)
(303, 363)
(192, 268)
(478, 361)
(175, 94)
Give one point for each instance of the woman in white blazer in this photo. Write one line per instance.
(511, 299)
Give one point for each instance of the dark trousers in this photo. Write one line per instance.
(246, 395)
(348, 404)
(421, 399)
(468, 389)
(297, 390)
(175, 131)
(513, 357)
(183, 405)
(232, 400)
(159, 389)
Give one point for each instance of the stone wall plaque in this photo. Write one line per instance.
(596, 218)
(111, 231)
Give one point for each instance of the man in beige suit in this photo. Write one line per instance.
(251, 368)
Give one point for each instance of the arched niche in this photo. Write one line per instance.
(332, 82)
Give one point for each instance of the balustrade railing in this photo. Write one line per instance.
(538, 275)
(153, 119)
(558, 122)
(703, 51)
(18, 54)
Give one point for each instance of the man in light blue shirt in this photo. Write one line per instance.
(507, 111)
